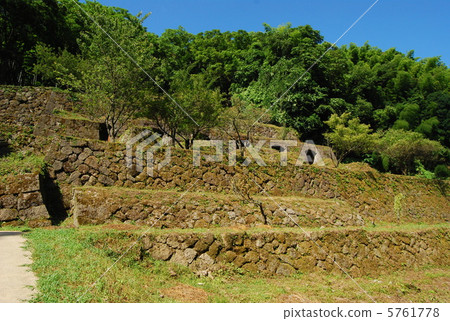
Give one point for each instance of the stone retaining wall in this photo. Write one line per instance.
(48, 125)
(359, 252)
(95, 163)
(21, 201)
(167, 209)
(24, 105)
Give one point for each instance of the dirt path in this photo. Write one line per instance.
(15, 278)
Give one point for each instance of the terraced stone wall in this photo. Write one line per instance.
(370, 194)
(49, 125)
(359, 252)
(30, 110)
(166, 209)
(24, 105)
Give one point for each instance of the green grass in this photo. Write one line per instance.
(139, 229)
(21, 163)
(69, 261)
(21, 228)
(69, 115)
(18, 136)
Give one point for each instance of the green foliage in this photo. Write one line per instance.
(405, 148)
(428, 127)
(200, 100)
(410, 113)
(401, 124)
(385, 162)
(268, 70)
(236, 121)
(422, 172)
(441, 171)
(60, 67)
(198, 108)
(24, 24)
(348, 135)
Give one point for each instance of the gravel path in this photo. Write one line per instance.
(15, 278)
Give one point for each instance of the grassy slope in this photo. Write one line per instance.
(21, 163)
(68, 261)
(69, 115)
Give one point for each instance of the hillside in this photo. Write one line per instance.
(384, 89)
(223, 166)
(275, 221)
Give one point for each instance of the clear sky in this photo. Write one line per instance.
(422, 25)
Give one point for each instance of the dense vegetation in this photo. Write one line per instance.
(404, 100)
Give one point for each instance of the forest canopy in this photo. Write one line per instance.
(54, 43)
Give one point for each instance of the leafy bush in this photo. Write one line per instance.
(349, 136)
(422, 172)
(441, 171)
(404, 148)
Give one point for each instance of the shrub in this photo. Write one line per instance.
(422, 172)
(405, 148)
(441, 171)
(349, 136)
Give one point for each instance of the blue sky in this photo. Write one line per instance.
(422, 25)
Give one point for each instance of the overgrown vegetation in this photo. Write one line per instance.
(404, 101)
(348, 135)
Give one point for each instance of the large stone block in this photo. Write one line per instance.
(27, 200)
(22, 184)
(8, 214)
(161, 252)
(34, 213)
(285, 269)
(8, 201)
(204, 262)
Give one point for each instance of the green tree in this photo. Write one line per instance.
(199, 106)
(410, 113)
(237, 121)
(299, 108)
(25, 23)
(110, 83)
(428, 127)
(349, 136)
(56, 68)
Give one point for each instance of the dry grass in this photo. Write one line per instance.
(186, 293)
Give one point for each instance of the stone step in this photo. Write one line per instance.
(357, 251)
